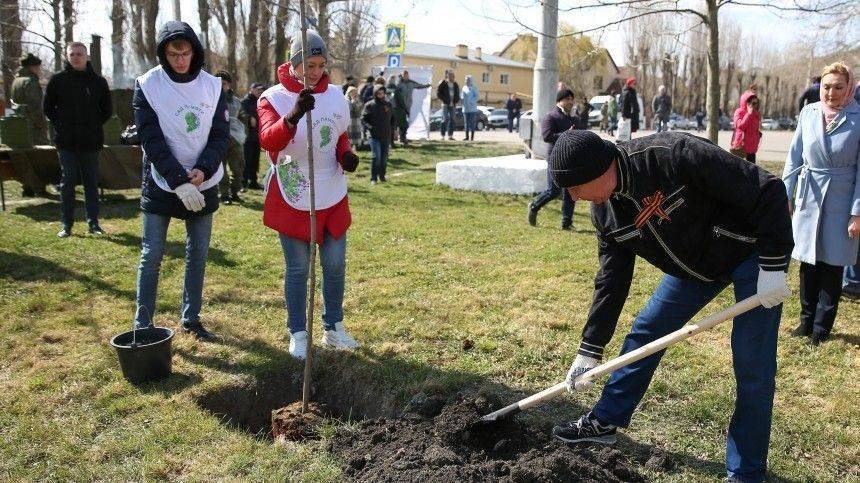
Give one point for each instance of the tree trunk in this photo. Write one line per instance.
(321, 7)
(252, 52)
(149, 16)
(282, 18)
(58, 35)
(231, 36)
(117, 18)
(203, 13)
(10, 36)
(713, 71)
(264, 70)
(730, 70)
(68, 21)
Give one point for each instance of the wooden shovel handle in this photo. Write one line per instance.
(646, 350)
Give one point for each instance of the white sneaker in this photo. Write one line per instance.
(339, 338)
(299, 345)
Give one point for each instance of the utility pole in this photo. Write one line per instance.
(545, 71)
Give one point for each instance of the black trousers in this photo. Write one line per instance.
(751, 157)
(79, 166)
(820, 289)
(252, 162)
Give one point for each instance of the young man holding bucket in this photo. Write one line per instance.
(184, 130)
(705, 218)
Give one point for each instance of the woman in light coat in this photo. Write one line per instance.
(470, 108)
(823, 181)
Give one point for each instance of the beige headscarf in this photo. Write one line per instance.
(830, 113)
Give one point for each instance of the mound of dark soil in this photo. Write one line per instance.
(291, 424)
(442, 444)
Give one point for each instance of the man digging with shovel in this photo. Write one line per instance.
(707, 219)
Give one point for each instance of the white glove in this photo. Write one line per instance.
(771, 288)
(191, 197)
(581, 365)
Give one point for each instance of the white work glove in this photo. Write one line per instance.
(191, 197)
(581, 365)
(771, 288)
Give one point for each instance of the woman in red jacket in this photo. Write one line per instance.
(283, 134)
(747, 127)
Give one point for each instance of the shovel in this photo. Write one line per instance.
(625, 359)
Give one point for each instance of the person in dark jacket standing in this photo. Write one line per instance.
(377, 118)
(448, 93)
(514, 105)
(78, 102)
(630, 104)
(662, 107)
(811, 95)
(708, 220)
(184, 131)
(556, 122)
(366, 91)
(251, 147)
(27, 100)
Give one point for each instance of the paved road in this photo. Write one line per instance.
(773, 149)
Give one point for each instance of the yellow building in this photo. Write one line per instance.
(583, 65)
(496, 77)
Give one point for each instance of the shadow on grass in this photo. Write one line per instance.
(851, 339)
(360, 385)
(20, 267)
(173, 249)
(118, 207)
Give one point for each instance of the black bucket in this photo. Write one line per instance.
(144, 354)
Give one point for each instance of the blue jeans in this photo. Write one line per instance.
(447, 121)
(198, 232)
(511, 122)
(297, 255)
(552, 192)
(753, 341)
(75, 165)
(851, 280)
(471, 120)
(379, 163)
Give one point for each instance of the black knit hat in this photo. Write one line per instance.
(579, 157)
(563, 94)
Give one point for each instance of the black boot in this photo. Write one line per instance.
(532, 215)
(199, 332)
(95, 229)
(802, 330)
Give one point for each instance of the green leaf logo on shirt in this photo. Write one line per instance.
(325, 136)
(192, 122)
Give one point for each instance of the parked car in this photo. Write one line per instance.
(595, 116)
(677, 121)
(486, 110)
(726, 123)
(787, 123)
(770, 124)
(459, 120)
(499, 118)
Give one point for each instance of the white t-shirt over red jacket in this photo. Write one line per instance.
(287, 200)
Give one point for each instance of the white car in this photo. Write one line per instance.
(486, 110)
(770, 124)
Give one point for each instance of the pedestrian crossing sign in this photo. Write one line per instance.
(395, 38)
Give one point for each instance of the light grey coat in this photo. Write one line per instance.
(823, 181)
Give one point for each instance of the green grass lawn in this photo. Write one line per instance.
(428, 268)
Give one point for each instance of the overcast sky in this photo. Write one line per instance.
(485, 23)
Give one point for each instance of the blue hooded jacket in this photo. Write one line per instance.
(155, 149)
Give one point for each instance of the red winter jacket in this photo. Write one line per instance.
(275, 134)
(747, 126)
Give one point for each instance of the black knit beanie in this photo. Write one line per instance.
(562, 94)
(579, 157)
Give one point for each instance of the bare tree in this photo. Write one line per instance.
(263, 70)
(204, 15)
(709, 17)
(117, 38)
(68, 20)
(11, 30)
(282, 19)
(143, 14)
(354, 29)
(225, 13)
